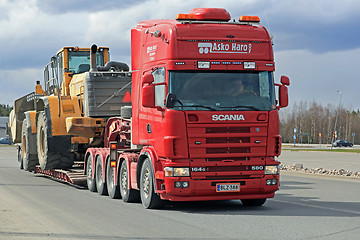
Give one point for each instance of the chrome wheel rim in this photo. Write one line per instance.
(124, 184)
(89, 169)
(146, 183)
(98, 173)
(111, 177)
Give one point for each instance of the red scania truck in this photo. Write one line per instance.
(204, 121)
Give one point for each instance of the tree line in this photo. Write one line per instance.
(4, 110)
(314, 123)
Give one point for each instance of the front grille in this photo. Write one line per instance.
(232, 158)
(234, 142)
(227, 150)
(228, 140)
(227, 129)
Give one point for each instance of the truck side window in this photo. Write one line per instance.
(159, 78)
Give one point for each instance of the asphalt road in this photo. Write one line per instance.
(306, 207)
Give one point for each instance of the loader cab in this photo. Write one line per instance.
(67, 63)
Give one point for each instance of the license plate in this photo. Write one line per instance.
(228, 187)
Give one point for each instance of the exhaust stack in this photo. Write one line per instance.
(93, 58)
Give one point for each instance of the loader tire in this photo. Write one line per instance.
(47, 158)
(20, 158)
(28, 147)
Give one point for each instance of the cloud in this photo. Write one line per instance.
(315, 41)
(31, 36)
(318, 26)
(317, 77)
(18, 83)
(71, 6)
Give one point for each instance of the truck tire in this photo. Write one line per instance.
(47, 158)
(253, 202)
(112, 187)
(29, 160)
(127, 195)
(100, 183)
(149, 198)
(90, 181)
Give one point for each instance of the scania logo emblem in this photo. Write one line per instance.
(257, 129)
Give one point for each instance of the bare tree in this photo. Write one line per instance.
(312, 119)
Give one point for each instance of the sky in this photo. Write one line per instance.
(316, 43)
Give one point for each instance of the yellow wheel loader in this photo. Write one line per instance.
(55, 125)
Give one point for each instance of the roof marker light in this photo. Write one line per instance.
(183, 16)
(249, 19)
(206, 14)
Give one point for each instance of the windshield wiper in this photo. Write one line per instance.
(243, 106)
(202, 106)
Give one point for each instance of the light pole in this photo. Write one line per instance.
(337, 114)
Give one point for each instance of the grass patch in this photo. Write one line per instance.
(324, 150)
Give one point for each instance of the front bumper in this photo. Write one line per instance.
(204, 190)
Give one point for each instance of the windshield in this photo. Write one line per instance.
(220, 90)
(79, 61)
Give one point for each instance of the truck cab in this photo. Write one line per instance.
(204, 106)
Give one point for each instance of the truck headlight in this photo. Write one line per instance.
(271, 170)
(177, 172)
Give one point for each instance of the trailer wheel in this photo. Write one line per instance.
(127, 195)
(100, 183)
(90, 181)
(253, 202)
(148, 196)
(48, 159)
(29, 161)
(112, 187)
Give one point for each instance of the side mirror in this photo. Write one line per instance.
(285, 80)
(283, 96)
(148, 78)
(148, 96)
(148, 91)
(170, 100)
(283, 92)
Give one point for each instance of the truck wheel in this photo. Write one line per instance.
(112, 187)
(253, 202)
(148, 196)
(29, 161)
(48, 159)
(90, 181)
(127, 195)
(100, 183)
